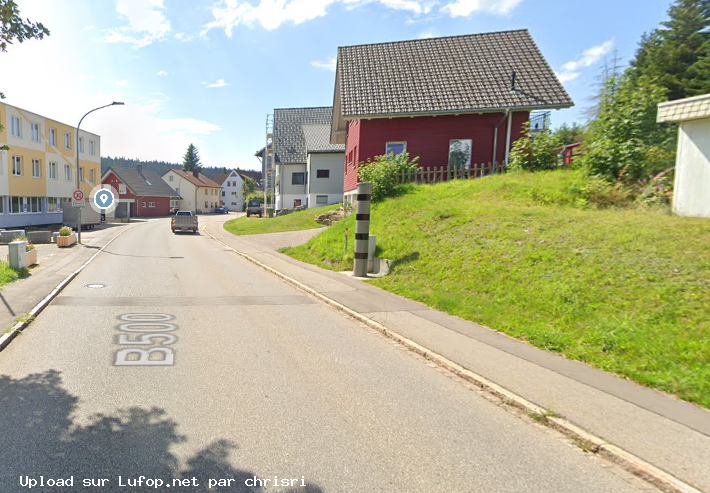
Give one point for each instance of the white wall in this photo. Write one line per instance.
(331, 187)
(187, 190)
(692, 176)
(233, 198)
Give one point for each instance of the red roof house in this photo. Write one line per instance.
(145, 192)
(461, 98)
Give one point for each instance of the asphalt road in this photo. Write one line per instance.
(265, 382)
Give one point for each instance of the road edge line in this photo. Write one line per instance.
(9, 335)
(588, 441)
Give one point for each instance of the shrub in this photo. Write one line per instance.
(535, 151)
(384, 172)
(65, 231)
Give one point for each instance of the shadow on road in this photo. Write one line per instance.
(39, 437)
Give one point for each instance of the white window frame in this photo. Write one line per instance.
(34, 130)
(54, 204)
(81, 145)
(293, 177)
(170, 178)
(403, 143)
(21, 202)
(52, 170)
(92, 176)
(15, 127)
(81, 174)
(17, 160)
(53, 136)
(92, 148)
(68, 173)
(36, 168)
(67, 140)
(151, 205)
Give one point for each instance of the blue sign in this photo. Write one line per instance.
(104, 199)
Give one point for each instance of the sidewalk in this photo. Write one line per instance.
(54, 265)
(671, 435)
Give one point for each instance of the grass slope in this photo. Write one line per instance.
(625, 290)
(8, 275)
(295, 221)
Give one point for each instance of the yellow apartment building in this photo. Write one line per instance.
(38, 172)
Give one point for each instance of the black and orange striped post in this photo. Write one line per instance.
(362, 228)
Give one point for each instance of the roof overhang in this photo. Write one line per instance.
(338, 124)
(683, 110)
(467, 111)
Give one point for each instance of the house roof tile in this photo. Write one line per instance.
(289, 138)
(446, 75)
(199, 181)
(143, 183)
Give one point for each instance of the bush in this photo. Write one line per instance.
(65, 231)
(534, 152)
(383, 173)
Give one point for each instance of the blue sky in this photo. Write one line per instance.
(209, 71)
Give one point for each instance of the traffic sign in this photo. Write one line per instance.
(77, 199)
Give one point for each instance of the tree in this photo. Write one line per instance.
(624, 141)
(384, 173)
(14, 28)
(191, 159)
(248, 186)
(676, 56)
(566, 134)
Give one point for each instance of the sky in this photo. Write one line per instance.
(208, 72)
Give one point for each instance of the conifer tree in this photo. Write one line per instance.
(191, 159)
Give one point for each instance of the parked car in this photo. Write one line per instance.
(221, 210)
(184, 221)
(254, 207)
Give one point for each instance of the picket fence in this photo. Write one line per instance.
(423, 176)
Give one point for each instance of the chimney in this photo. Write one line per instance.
(139, 168)
(195, 173)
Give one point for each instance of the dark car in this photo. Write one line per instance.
(254, 207)
(221, 210)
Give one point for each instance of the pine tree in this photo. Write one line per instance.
(191, 159)
(676, 56)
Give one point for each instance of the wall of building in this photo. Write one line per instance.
(329, 189)
(231, 195)
(39, 183)
(352, 155)
(692, 175)
(186, 189)
(428, 137)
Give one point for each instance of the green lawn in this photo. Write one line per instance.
(8, 275)
(626, 290)
(295, 221)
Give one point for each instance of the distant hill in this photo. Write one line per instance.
(159, 167)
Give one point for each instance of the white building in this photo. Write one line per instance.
(231, 195)
(691, 195)
(325, 167)
(197, 193)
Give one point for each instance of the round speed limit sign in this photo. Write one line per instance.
(78, 195)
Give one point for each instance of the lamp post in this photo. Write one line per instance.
(78, 168)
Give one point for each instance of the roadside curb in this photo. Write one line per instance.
(587, 441)
(15, 330)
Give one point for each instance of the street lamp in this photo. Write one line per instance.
(78, 168)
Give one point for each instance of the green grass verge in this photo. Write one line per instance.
(295, 221)
(626, 290)
(8, 275)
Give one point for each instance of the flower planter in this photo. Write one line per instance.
(65, 241)
(31, 257)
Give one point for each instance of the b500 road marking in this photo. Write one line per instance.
(146, 329)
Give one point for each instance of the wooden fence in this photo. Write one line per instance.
(422, 176)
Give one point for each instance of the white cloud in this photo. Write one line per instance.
(465, 8)
(219, 83)
(271, 14)
(161, 73)
(146, 23)
(429, 33)
(121, 82)
(183, 37)
(328, 64)
(139, 129)
(572, 69)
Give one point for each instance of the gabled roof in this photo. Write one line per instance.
(142, 184)
(289, 140)
(318, 139)
(219, 179)
(200, 181)
(456, 74)
(254, 175)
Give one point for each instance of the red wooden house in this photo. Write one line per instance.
(451, 101)
(146, 194)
